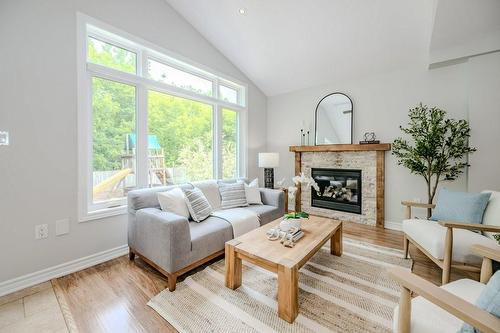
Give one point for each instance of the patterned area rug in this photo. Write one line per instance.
(352, 293)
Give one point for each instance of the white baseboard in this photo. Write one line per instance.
(53, 272)
(393, 225)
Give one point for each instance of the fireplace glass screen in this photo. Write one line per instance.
(339, 189)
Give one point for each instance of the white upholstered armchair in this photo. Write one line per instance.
(449, 244)
(444, 309)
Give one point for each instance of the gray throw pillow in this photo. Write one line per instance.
(489, 300)
(233, 195)
(197, 203)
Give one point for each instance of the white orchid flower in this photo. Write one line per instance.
(303, 180)
(281, 183)
(297, 180)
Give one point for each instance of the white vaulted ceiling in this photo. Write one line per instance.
(286, 45)
(465, 28)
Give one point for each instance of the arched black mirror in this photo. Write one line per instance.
(333, 123)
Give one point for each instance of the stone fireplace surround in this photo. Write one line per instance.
(369, 158)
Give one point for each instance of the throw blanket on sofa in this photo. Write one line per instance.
(242, 220)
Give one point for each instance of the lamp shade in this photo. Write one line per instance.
(269, 160)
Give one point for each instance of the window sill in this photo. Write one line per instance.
(103, 213)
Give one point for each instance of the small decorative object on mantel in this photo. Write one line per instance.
(369, 138)
(304, 137)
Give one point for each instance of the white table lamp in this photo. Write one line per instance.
(269, 161)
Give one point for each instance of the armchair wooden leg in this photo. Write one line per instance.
(486, 270)
(448, 252)
(406, 243)
(404, 319)
(408, 212)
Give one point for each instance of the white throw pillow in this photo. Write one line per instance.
(174, 201)
(492, 213)
(252, 192)
(254, 183)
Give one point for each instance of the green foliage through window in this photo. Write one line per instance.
(108, 55)
(113, 118)
(229, 144)
(184, 130)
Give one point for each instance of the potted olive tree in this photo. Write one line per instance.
(436, 148)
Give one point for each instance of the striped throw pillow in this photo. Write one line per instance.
(232, 195)
(197, 203)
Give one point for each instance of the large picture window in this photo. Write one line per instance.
(149, 119)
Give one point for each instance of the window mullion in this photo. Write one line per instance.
(217, 151)
(242, 143)
(89, 141)
(140, 62)
(215, 88)
(142, 153)
(218, 142)
(238, 145)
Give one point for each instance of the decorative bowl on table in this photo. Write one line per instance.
(293, 220)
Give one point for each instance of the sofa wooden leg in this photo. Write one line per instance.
(131, 255)
(171, 281)
(406, 243)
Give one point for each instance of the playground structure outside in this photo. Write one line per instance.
(111, 184)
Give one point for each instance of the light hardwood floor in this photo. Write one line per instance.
(112, 297)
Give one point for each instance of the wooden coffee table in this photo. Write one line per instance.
(254, 247)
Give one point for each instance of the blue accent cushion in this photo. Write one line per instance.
(489, 300)
(460, 206)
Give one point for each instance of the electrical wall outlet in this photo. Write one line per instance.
(41, 231)
(4, 138)
(62, 227)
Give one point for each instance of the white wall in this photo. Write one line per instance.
(484, 113)
(38, 105)
(381, 104)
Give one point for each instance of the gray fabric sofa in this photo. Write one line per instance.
(173, 244)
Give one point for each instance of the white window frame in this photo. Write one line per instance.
(88, 26)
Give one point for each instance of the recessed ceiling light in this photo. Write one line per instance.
(241, 11)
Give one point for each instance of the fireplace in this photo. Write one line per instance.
(367, 162)
(339, 189)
